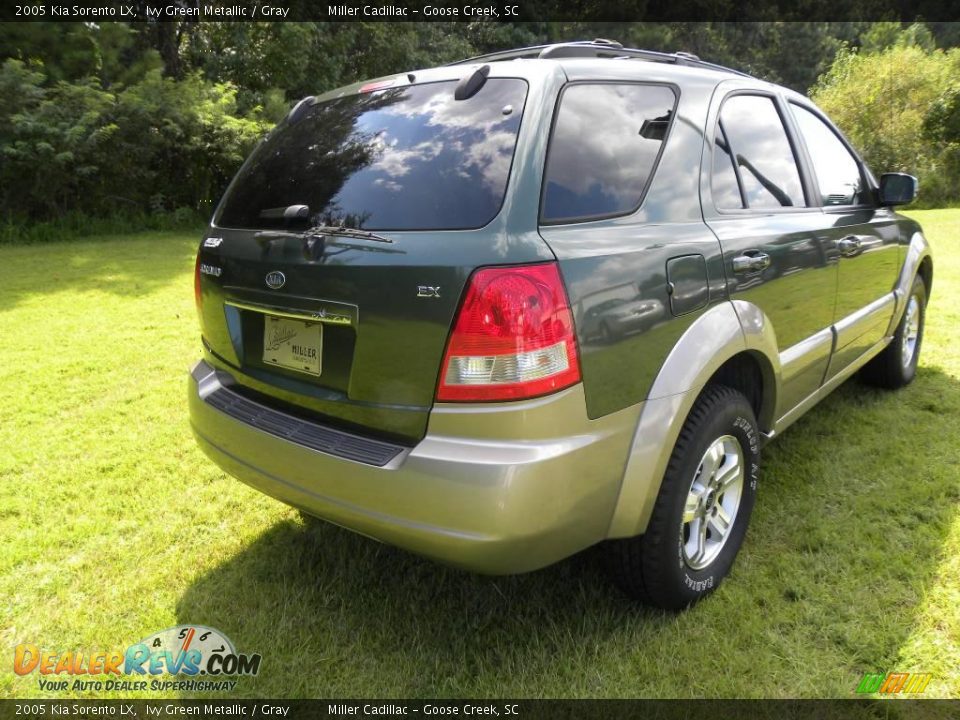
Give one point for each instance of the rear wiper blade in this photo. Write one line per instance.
(302, 212)
(346, 232)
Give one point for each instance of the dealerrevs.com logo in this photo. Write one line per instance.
(199, 658)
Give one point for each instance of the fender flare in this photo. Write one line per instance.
(725, 330)
(917, 251)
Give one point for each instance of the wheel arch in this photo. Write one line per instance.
(733, 342)
(752, 374)
(918, 261)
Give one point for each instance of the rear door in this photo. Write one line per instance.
(777, 253)
(865, 236)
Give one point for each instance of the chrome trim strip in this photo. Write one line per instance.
(804, 405)
(854, 325)
(319, 316)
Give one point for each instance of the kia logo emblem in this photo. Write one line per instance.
(276, 280)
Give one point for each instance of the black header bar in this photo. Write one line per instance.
(475, 10)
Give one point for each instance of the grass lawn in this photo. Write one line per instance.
(114, 526)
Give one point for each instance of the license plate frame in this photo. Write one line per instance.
(295, 345)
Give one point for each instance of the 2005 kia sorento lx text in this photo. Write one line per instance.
(497, 312)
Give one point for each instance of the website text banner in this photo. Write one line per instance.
(472, 10)
(510, 709)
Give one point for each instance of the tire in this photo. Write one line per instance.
(896, 365)
(663, 567)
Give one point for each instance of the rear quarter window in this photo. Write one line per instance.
(604, 148)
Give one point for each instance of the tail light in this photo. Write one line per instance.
(512, 339)
(198, 298)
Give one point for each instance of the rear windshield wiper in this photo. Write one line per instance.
(346, 232)
(302, 212)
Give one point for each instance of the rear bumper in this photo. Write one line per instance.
(498, 488)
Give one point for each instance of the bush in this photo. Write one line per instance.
(893, 106)
(157, 145)
(53, 141)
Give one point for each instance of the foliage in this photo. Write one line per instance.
(140, 118)
(156, 144)
(883, 35)
(899, 107)
(308, 58)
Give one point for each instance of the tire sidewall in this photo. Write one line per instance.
(919, 290)
(736, 419)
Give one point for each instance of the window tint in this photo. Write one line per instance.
(405, 158)
(758, 141)
(603, 149)
(726, 190)
(838, 174)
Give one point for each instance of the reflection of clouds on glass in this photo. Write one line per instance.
(397, 163)
(599, 159)
(838, 175)
(726, 191)
(475, 128)
(491, 157)
(405, 158)
(488, 159)
(388, 185)
(470, 142)
(481, 112)
(767, 165)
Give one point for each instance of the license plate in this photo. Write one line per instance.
(292, 344)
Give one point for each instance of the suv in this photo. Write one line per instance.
(498, 312)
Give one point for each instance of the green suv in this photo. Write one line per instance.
(503, 310)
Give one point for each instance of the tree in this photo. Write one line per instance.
(898, 108)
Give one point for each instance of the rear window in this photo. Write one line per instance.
(605, 144)
(408, 158)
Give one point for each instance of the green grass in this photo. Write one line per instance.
(115, 526)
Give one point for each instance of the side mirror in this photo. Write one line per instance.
(897, 189)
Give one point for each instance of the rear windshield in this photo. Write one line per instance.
(408, 158)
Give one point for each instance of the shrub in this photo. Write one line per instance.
(893, 106)
(156, 145)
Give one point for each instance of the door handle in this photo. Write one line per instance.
(751, 261)
(850, 245)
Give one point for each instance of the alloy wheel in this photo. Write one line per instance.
(712, 502)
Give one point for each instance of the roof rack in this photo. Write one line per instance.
(600, 48)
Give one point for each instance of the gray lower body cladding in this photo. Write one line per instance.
(497, 489)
